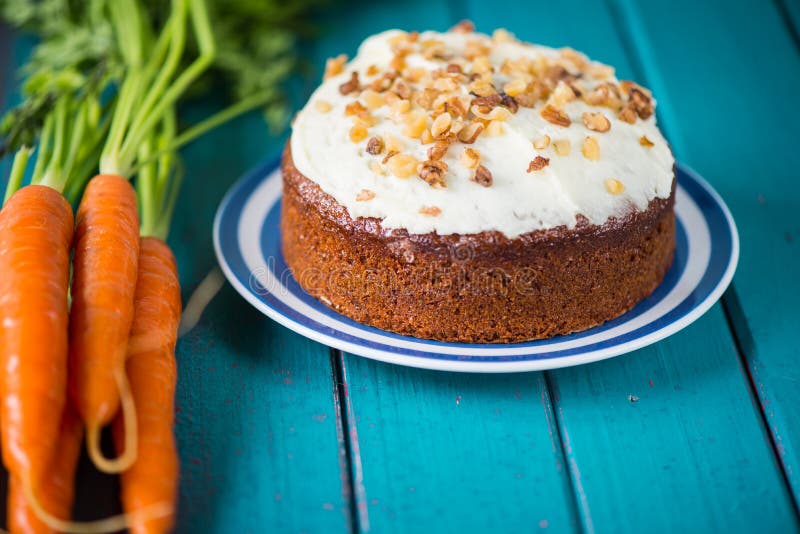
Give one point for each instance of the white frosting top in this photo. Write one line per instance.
(634, 164)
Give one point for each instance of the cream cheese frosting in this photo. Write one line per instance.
(617, 170)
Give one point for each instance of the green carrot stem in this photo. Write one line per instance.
(77, 138)
(145, 189)
(45, 145)
(231, 112)
(128, 93)
(207, 49)
(53, 175)
(17, 171)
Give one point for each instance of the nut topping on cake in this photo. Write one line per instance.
(538, 163)
(365, 195)
(482, 176)
(430, 211)
(591, 149)
(596, 122)
(445, 106)
(375, 146)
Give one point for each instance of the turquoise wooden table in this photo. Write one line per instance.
(698, 433)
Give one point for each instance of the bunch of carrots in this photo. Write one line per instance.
(90, 300)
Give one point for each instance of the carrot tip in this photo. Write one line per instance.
(128, 456)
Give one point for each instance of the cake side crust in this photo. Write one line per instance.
(478, 288)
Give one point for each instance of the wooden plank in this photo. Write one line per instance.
(257, 412)
(454, 452)
(731, 117)
(633, 470)
(669, 439)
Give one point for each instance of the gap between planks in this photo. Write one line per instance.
(352, 482)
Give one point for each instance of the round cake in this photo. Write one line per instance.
(471, 188)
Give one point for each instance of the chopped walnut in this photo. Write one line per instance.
(402, 90)
(596, 122)
(628, 114)
(639, 99)
(389, 155)
(515, 87)
(350, 85)
(644, 141)
(323, 106)
(365, 195)
(481, 88)
(354, 108)
(614, 186)
(470, 133)
(372, 70)
(403, 165)
(375, 146)
(358, 133)
(562, 147)
(373, 99)
(465, 26)
(438, 150)
(495, 128)
(555, 116)
(538, 163)
(432, 172)
(457, 107)
(470, 158)
(591, 149)
(365, 119)
(501, 35)
(334, 66)
(394, 144)
(427, 137)
(562, 94)
(482, 176)
(427, 97)
(415, 124)
(542, 143)
(430, 211)
(441, 125)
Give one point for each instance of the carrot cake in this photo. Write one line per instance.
(464, 187)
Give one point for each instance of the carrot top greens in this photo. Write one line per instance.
(102, 87)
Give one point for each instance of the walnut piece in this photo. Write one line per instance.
(591, 149)
(555, 116)
(358, 133)
(470, 158)
(432, 172)
(350, 85)
(542, 143)
(365, 195)
(403, 165)
(482, 176)
(538, 163)
(644, 141)
(430, 211)
(334, 66)
(596, 122)
(614, 186)
(375, 146)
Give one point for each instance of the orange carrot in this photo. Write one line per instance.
(104, 280)
(152, 373)
(35, 235)
(57, 490)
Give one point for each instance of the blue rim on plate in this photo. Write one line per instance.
(247, 243)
